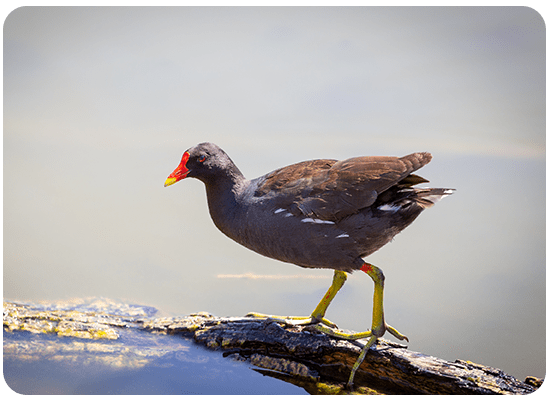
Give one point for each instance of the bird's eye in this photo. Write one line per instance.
(201, 158)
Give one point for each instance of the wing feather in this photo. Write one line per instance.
(331, 190)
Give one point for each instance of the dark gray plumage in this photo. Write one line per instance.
(316, 214)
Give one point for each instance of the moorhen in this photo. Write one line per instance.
(316, 214)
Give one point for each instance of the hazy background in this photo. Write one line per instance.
(100, 104)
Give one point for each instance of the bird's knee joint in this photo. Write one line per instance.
(374, 272)
(340, 276)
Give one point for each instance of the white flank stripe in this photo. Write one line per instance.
(343, 235)
(249, 275)
(317, 221)
(277, 211)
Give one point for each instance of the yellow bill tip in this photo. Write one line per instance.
(170, 181)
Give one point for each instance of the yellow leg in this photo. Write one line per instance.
(318, 315)
(379, 326)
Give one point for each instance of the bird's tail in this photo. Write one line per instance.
(428, 197)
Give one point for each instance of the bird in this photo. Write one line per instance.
(322, 213)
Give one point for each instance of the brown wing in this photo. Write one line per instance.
(295, 176)
(331, 190)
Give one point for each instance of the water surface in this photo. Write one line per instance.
(138, 363)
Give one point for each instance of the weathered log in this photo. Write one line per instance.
(296, 354)
(306, 355)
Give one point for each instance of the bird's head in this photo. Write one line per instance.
(205, 161)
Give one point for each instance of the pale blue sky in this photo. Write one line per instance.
(100, 103)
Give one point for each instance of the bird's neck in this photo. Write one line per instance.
(223, 200)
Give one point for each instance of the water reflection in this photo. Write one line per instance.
(136, 363)
(41, 358)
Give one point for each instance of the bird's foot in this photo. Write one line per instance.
(360, 335)
(291, 320)
(394, 332)
(372, 335)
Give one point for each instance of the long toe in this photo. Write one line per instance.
(293, 320)
(396, 333)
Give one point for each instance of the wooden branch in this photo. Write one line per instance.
(307, 358)
(318, 363)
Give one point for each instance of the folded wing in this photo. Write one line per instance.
(331, 190)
